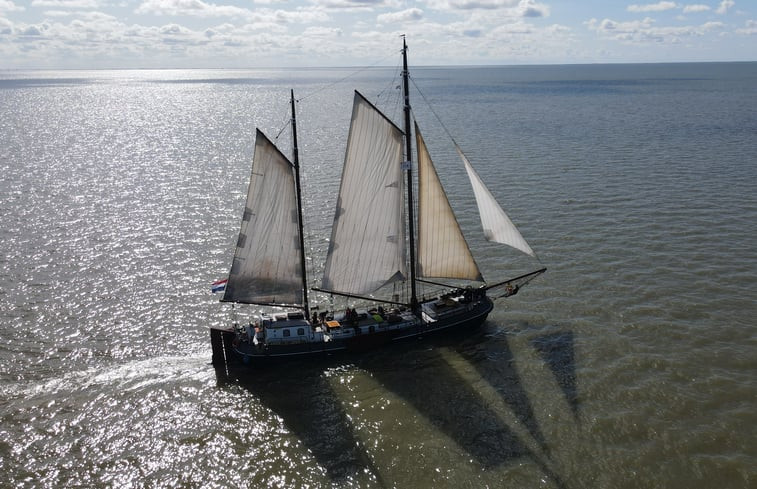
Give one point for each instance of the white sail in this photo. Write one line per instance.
(497, 226)
(442, 249)
(367, 248)
(267, 261)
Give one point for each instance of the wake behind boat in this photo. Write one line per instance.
(374, 246)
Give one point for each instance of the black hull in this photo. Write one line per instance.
(227, 352)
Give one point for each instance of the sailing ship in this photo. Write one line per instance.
(374, 245)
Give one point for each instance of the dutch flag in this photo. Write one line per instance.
(219, 285)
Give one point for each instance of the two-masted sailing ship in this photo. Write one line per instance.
(376, 243)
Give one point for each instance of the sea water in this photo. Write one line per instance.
(630, 363)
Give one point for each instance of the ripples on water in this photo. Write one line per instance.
(630, 364)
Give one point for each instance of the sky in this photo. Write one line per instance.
(104, 34)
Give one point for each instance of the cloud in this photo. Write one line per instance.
(687, 9)
(473, 4)
(79, 14)
(509, 30)
(58, 13)
(6, 26)
(644, 31)
(8, 6)
(478, 36)
(198, 8)
(300, 16)
(322, 32)
(356, 5)
(174, 30)
(750, 28)
(724, 6)
(403, 16)
(530, 8)
(96, 38)
(32, 30)
(194, 8)
(515, 8)
(652, 7)
(66, 3)
(612, 28)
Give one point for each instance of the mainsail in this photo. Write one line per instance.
(497, 226)
(267, 261)
(442, 249)
(367, 247)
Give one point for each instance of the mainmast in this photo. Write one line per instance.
(299, 210)
(409, 166)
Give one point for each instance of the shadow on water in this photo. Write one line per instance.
(558, 352)
(495, 363)
(421, 374)
(450, 403)
(304, 400)
(454, 406)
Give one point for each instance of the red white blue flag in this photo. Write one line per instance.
(219, 285)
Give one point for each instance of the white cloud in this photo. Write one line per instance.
(644, 31)
(356, 5)
(695, 8)
(724, 6)
(615, 29)
(521, 41)
(710, 26)
(195, 8)
(508, 30)
(652, 7)
(8, 6)
(472, 4)
(322, 32)
(33, 30)
(79, 14)
(174, 30)
(529, 8)
(300, 16)
(98, 38)
(750, 28)
(6, 26)
(66, 3)
(58, 13)
(513, 8)
(408, 15)
(198, 8)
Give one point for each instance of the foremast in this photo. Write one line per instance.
(298, 186)
(263, 272)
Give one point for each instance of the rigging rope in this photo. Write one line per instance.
(341, 80)
(431, 108)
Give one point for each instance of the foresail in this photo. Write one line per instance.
(367, 247)
(267, 263)
(497, 225)
(442, 249)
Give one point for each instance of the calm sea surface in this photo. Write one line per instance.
(630, 364)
